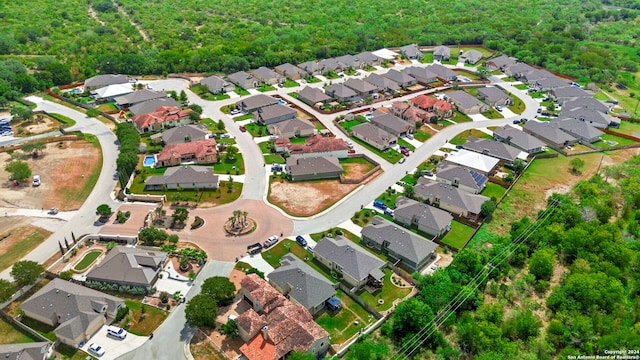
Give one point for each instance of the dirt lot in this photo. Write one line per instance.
(355, 171)
(202, 348)
(17, 238)
(40, 124)
(308, 198)
(64, 170)
(428, 130)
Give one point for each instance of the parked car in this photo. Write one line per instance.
(499, 108)
(270, 241)
(410, 136)
(539, 110)
(427, 173)
(116, 332)
(379, 204)
(388, 212)
(96, 349)
(405, 152)
(401, 161)
(351, 151)
(243, 129)
(235, 112)
(276, 167)
(516, 121)
(225, 136)
(301, 240)
(402, 147)
(53, 211)
(254, 248)
(36, 180)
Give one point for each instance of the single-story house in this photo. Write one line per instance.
(450, 198)
(411, 52)
(312, 96)
(466, 103)
(75, 312)
(568, 93)
(361, 87)
(137, 97)
(181, 134)
(316, 145)
(273, 113)
(313, 168)
(440, 107)
(518, 69)
(110, 92)
(580, 130)
(369, 58)
(441, 53)
(267, 76)
(217, 85)
(129, 266)
(549, 132)
(401, 78)
(349, 61)
(392, 124)
(310, 67)
(342, 93)
(302, 284)
(465, 179)
(412, 113)
(255, 102)
(331, 64)
(162, 118)
(99, 81)
(472, 160)
(428, 219)
(442, 72)
(383, 84)
(533, 76)
(413, 250)
(374, 136)
(494, 96)
(150, 106)
(385, 53)
(290, 71)
(470, 57)
(552, 82)
(422, 75)
(496, 149)
(500, 62)
(589, 110)
(518, 139)
(184, 177)
(199, 152)
(295, 127)
(243, 80)
(355, 264)
(42, 350)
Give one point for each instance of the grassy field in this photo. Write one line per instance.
(23, 247)
(627, 127)
(68, 122)
(290, 83)
(461, 138)
(87, 260)
(518, 106)
(347, 125)
(273, 159)
(458, 235)
(521, 86)
(615, 141)
(144, 324)
(493, 114)
(341, 326)
(388, 294)
(493, 191)
(80, 196)
(11, 335)
(233, 166)
(421, 135)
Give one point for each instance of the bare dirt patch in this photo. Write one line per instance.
(202, 347)
(428, 130)
(355, 171)
(17, 239)
(64, 169)
(308, 198)
(40, 124)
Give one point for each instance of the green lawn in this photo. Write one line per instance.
(143, 326)
(627, 127)
(341, 326)
(493, 114)
(298, 140)
(493, 191)
(22, 247)
(233, 166)
(63, 119)
(521, 86)
(257, 130)
(390, 155)
(388, 294)
(600, 95)
(462, 137)
(42, 328)
(518, 106)
(290, 83)
(87, 260)
(11, 335)
(286, 246)
(265, 87)
(243, 117)
(311, 79)
(389, 198)
(107, 107)
(458, 117)
(421, 135)
(265, 147)
(240, 91)
(347, 125)
(613, 141)
(273, 159)
(427, 59)
(458, 235)
(403, 142)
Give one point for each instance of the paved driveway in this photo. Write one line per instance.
(114, 347)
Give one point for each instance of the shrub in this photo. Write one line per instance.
(121, 313)
(197, 223)
(65, 275)
(164, 297)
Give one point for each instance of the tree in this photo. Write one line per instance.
(576, 165)
(194, 116)
(229, 329)
(299, 355)
(180, 215)
(19, 170)
(409, 190)
(220, 125)
(541, 264)
(220, 288)
(35, 147)
(183, 96)
(201, 310)
(104, 211)
(7, 289)
(487, 208)
(26, 272)
(518, 166)
(522, 326)
(232, 151)
(367, 350)
(410, 317)
(152, 236)
(21, 113)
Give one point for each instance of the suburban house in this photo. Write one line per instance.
(518, 69)
(535, 75)
(313, 168)
(518, 139)
(414, 251)
(552, 82)
(369, 58)
(580, 130)
(586, 102)
(411, 52)
(27, 351)
(385, 53)
(255, 102)
(496, 149)
(310, 67)
(590, 111)
(383, 84)
(441, 53)
(268, 76)
(273, 113)
(442, 72)
(184, 177)
(99, 81)
(439, 107)
(164, 117)
(462, 178)
(499, 63)
(349, 61)
(199, 152)
(569, 93)
(342, 93)
(401, 78)
(274, 326)
(290, 71)
(292, 128)
(426, 218)
(181, 134)
(392, 123)
(549, 132)
(361, 87)
(450, 198)
(316, 145)
(472, 160)
(76, 312)
(331, 64)
(110, 92)
(470, 57)
(494, 96)
(150, 106)
(301, 284)
(356, 265)
(313, 96)
(422, 75)
(374, 136)
(466, 103)
(243, 80)
(414, 114)
(137, 97)
(129, 266)
(217, 85)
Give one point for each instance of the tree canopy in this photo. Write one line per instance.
(26, 272)
(19, 170)
(220, 288)
(201, 310)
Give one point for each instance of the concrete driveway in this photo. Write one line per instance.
(114, 347)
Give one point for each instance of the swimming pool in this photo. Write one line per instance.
(149, 161)
(368, 116)
(282, 102)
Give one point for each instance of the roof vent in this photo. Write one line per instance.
(68, 295)
(57, 291)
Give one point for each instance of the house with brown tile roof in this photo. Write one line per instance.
(164, 117)
(274, 326)
(199, 152)
(184, 177)
(317, 145)
(440, 107)
(407, 112)
(313, 168)
(295, 127)
(129, 266)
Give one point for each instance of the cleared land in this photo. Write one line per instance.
(17, 239)
(307, 198)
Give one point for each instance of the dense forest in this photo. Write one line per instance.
(566, 283)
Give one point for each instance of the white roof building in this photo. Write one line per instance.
(111, 91)
(385, 54)
(473, 160)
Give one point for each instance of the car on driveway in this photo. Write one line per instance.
(270, 241)
(276, 167)
(96, 349)
(402, 161)
(405, 152)
(300, 240)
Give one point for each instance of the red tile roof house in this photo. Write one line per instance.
(316, 145)
(274, 326)
(163, 117)
(199, 152)
(411, 113)
(440, 107)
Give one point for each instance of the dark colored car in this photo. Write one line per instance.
(243, 129)
(301, 241)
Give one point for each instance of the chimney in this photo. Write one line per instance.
(265, 332)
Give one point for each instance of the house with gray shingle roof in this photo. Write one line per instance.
(147, 107)
(374, 136)
(494, 96)
(518, 139)
(383, 84)
(369, 58)
(470, 57)
(181, 134)
(274, 113)
(401, 78)
(255, 102)
(129, 266)
(442, 72)
(26, 351)
(290, 71)
(295, 127)
(349, 61)
(267, 76)
(313, 168)
(76, 312)
(99, 81)
(361, 87)
(441, 53)
(184, 177)
(465, 179)
(217, 85)
(356, 265)
(552, 82)
(549, 132)
(312, 96)
(392, 123)
(466, 103)
(500, 62)
(533, 76)
(589, 110)
(580, 130)
(137, 97)
(310, 67)
(342, 93)
(413, 250)
(450, 198)
(569, 93)
(411, 52)
(426, 218)
(243, 80)
(518, 69)
(330, 64)
(302, 284)
(494, 149)
(422, 75)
